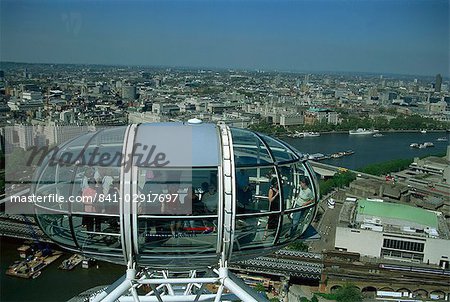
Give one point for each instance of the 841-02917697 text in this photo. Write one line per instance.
(138, 198)
(113, 198)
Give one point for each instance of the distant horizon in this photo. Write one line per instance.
(405, 37)
(212, 68)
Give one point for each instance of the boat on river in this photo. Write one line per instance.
(362, 131)
(70, 263)
(311, 134)
(342, 153)
(304, 134)
(422, 146)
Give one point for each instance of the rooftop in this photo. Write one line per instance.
(398, 211)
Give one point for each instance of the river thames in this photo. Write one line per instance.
(56, 285)
(369, 149)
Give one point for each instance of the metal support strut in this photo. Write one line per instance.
(164, 288)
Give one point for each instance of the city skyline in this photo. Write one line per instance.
(399, 37)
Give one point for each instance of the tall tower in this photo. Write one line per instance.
(437, 87)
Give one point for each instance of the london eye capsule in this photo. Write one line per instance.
(174, 195)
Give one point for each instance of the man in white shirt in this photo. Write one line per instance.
(305, 197)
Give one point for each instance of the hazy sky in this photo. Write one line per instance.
(398, 36)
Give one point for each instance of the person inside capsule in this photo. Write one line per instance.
(305, 197)
(274, 205)
(210, 197)
(244, 192)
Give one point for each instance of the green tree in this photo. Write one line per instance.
(387, 167)
(298, 246)
(381, 123)
(339, 180)
(349, 293)
(399, 122)
(260, 288)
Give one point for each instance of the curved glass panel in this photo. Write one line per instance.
(253, 186)
(97, 233)
(297, 186)
(177, 235)
(279, 151)
(70, 152)
(191, 197)
(109, 137)
(47, 186)
(165, 191)
(255, 231)
(46, 176)
(295, 223)
(249, 149)
(65, 184)
(307, 218)
(299, 154)
(180, 262)
(56, 226)
(314, 180)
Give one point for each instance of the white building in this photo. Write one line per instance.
(25, 134)
(56, 134)
(291, 120)
(396, 232)
(145, 117)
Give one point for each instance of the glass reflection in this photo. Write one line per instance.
(177, 192)
(252, 189)
(278, 150)
(295, 223)
(297, 190)
(249, 149)
(56, 226)
(253, 231)
(300, 221)
(97, 232)
(194, 235)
